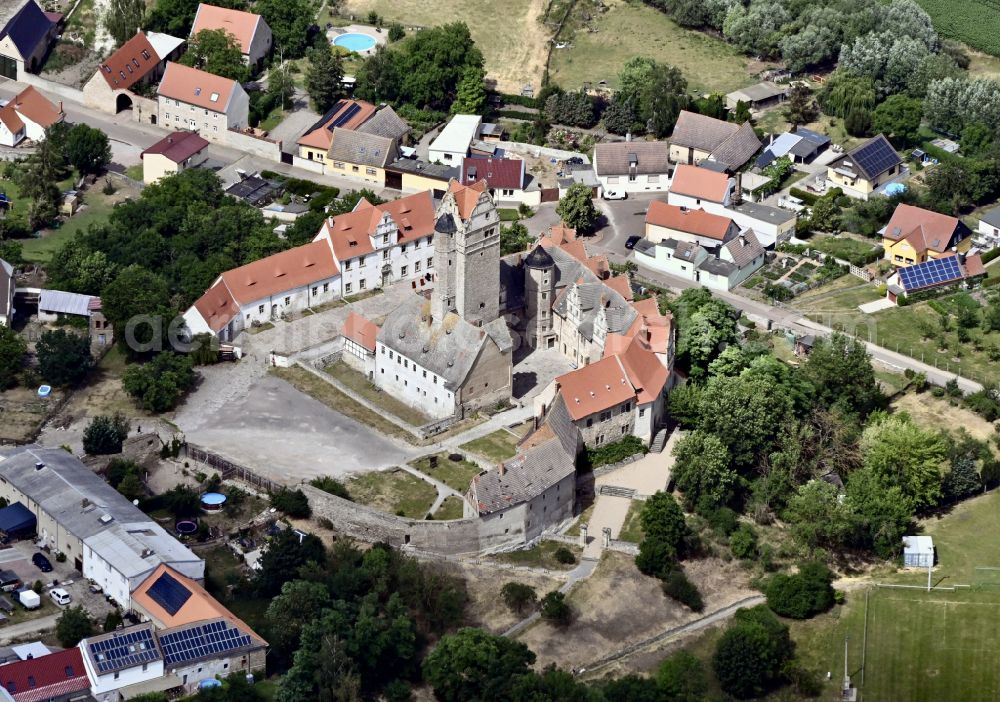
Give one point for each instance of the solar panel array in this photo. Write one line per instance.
(354, 109)
(202, 641)
(937, 271)
(124, 651)
(875, 157)
(169, 593)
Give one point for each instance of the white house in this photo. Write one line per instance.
(26, 116)
(284, 283)
(359, 343)
(452, 145)
(771, 225)
(633, 166)
(251, 31)
(700, 188)
(720, 268)
(665, 221)
(507, 179)
(201, 102)
(121, 659)
(988, 231)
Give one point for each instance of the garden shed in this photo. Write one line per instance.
(918, 551)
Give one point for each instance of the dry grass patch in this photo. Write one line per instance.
(937, 413)
(366, 389)
(486, 607)
(22, 413)
(456, 474)
(496, 447)
(394, 491)
(452, 508)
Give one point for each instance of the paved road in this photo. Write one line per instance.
(31, 628)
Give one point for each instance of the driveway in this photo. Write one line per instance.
(294, 125)
(290, 437)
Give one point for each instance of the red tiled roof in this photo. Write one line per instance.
(360, 330)
(499, 173)
(196, 87)
(620, 284)
(974, 266)
(595, 387)
(10, 118)
(242, 25)
(130, 63)
(45, 677)
(684, 219)
(560, 234)
(281, 272)
(645, 372)
(922, 228)
(217, 306)
(700, 183)
(322, 136)
(350, 233)
(31, 104)
(178, 147)
(466, 196)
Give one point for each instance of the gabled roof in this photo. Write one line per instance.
(991, 217)
(738, 147)
(347, 114)
(936, 272)
(644, 371)
(386, 123)
(350, 234)
(559, 234)
(925, 230)
(178, 147)
(466, 196)
(196, 87)
(872, 158)
(363, 149)
(624, 157)
(217, 306)
(360, 330)
(30, 104)
(499, 173)
(130, 63)
(700, 183)
(281, 272)
(10, 118)
(745, 248)
(27, 27)
(242, 25)
(691, 221)
(595, 387)
(701, 132)
(45, 677)
(620, 284)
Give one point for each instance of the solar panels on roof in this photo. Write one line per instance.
(875, 157)
(124, 650)
(937, 271)
(202, 641)
(169, 593)
(337, 107)
(349, 113)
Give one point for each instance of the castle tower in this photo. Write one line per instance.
(467, 255)
(539, 294)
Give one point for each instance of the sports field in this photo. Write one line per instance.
(510, 33)
(922, 646)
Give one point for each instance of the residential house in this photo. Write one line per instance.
(946, 271)
(506, 178)
(346, 114)
(914, 235)
(123, 77)
(28, 32)
(107, 538)
(376, 245)
(414, 175)
(125, 663)
(633, 166)
(251, 31)
(664, 221)
(59, 676)
(700, 188)
(7, 285)
(359, 335)
(758, 97)
(27, 115)
(988, 230)
(771, 225)
(386, 123)
(190, 98)
(360, 155)
(452, 354)
(281, 284)
(173, 154)
(866, 168)
(800, 146)
(721, 267)
(452, 145)
(698, 138)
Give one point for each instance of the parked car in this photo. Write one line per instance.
(9, 581)
(574, 161)
(615, 195)
(42, 563)
(631, 241)
(60, 596)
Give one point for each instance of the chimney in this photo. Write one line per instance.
(738, 194)
(628, 136)
(502, 469)
(39, 465)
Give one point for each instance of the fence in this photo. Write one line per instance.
(229, 470)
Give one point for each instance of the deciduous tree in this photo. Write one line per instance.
(105, 434)
(472, 665)
(218, 52)
(73, 625)
(701, 470)
(898, 117)
(12, 353)
(123, 17)
(576, 208)
(470, 98)
(63, 357)
(324, 78)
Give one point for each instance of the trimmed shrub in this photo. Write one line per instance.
(677, 586)
(802, 595)
(564, 555)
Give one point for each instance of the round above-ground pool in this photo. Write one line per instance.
(212, 501)
(354, 41)
(186, 527)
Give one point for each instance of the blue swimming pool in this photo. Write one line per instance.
(355, 42)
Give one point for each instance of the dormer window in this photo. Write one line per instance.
(145, 54)
(122, 74)
(107, 69)
(197, 91)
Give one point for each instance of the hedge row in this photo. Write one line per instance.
(509, 99)
(990, 255)
(806, 197)
(514, 114)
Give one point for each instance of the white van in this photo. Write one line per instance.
(59, 596)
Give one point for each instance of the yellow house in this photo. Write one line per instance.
(863, 170)
(410, 175)
(360, 155)
(915, 235)
(173, 154)
(348, 114)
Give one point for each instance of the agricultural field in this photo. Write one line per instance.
(600, 47)
(971, 21)
(511, 34)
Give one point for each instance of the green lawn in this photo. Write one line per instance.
(921, 646)
(630, 29)
(498, 446)
(134, 172)
(451, 508)
(541, 555)
(363, 387)
(272, 120)
(393, 491)
(632, 528)
(842, 247)
(98, 209)
(455, 474)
